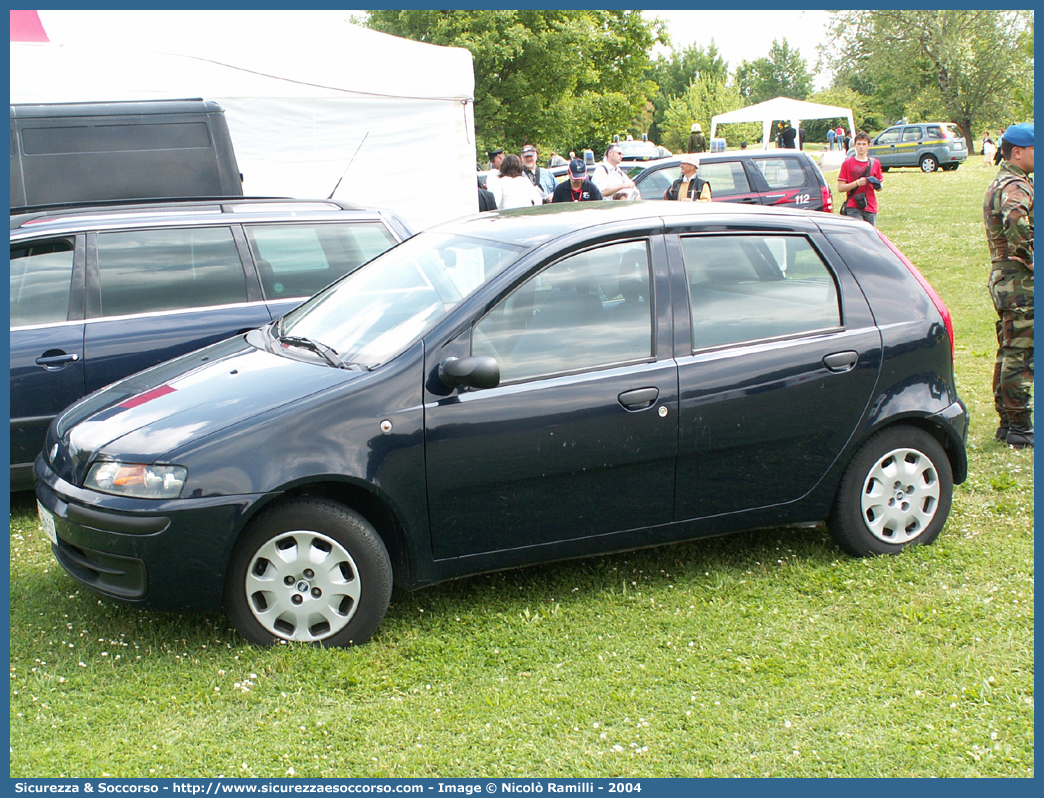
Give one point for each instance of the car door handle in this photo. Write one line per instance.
(639, 399)
(840, 362)
(50, 360)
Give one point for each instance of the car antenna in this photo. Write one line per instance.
(349, 166)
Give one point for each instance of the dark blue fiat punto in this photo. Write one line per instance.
(513, 388)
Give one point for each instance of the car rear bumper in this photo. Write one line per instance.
(954, 419)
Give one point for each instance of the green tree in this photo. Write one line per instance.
(673, 75)
(968, 67)
(699, 102)
(783, 73)
(559, 79)
(863, 112)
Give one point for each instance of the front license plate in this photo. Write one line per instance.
(47, 522)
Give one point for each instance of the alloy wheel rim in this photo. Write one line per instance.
(900, 496)
(302, 586)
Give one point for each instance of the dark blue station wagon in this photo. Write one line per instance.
(101, 291)
(513, 388)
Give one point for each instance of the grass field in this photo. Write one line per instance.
(761, 654)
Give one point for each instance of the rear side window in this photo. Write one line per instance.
(87, 137)
(41, 281)
(145, 271)
(300, 259)
(913, 133)
(750, 287)
(726, 178)
(781, 172)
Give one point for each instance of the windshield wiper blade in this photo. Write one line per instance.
(328, 353)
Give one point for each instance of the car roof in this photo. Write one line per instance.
(921, 124)
(531, 227)
(79, 216)
(729, 155)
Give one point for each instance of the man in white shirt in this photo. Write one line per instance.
(611, 180)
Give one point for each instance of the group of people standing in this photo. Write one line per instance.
(518, 181)
(515, 181)
(837, 137)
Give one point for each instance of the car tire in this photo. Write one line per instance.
(895, 493)
(929, 164)
(308, 570)
(885, 168)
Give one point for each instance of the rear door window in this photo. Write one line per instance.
(912, 133)
(297, 260)
(781, 172)
(41, 281)
(726, 178)
(145, 271)
(751, 287)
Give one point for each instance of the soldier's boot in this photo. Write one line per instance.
(1002, 431)
(1020, 437)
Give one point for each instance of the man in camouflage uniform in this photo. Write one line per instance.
(1008, 214)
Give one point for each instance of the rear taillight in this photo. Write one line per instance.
(828, 199)
(936, 299)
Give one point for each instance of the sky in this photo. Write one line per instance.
(748, 35)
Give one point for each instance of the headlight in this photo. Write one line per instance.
(136, 479)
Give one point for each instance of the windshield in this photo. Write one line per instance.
(374, 313)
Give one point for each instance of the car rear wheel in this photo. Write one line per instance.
(311, 571)
(896, 492)
(929, 163)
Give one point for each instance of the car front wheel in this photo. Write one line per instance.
(896, 492)
(309, 570)
(929, 163)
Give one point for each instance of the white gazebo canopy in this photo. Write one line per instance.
(782, 108)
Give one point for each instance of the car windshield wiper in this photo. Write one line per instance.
(328, 353)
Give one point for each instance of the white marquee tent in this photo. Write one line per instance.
(310, 99)
(782, 108)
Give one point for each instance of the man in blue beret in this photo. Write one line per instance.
(1008, 215)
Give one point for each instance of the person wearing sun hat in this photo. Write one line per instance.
(689, 186)
(1008, 215)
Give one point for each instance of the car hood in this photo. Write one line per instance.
(141, 418)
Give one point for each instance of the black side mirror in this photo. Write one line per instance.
(470, 372)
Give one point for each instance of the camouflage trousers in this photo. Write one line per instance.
(1011, 287)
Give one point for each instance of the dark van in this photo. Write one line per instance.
(151, 149)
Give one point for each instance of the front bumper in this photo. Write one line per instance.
(167, 555)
